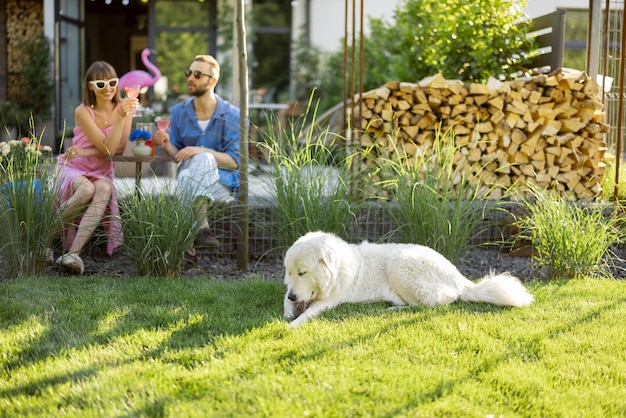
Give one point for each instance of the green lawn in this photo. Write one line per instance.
(105, 347)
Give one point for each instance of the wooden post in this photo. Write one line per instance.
(243, 215)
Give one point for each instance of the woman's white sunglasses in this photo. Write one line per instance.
(101, 84)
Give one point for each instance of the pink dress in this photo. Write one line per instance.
(93, 168)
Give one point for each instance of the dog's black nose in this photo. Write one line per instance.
(292, 297)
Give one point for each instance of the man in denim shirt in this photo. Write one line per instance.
(204, 139)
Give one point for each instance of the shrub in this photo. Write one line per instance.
(11, 116)
(468, 41)
(31, 90)
(571, 239)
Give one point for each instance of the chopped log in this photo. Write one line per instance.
(475, 89)
(436, 81)
(547, 130)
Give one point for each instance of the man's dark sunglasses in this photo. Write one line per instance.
(197, 74)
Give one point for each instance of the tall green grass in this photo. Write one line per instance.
(608, 181)
(572, 239)
(27, 207)
(432, 201)
(158, 229)
(306, 181)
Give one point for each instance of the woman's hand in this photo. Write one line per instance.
(128, 106)
(72, 152)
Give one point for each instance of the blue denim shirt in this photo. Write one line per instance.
(222, 133)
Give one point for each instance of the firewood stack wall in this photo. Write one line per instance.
(547, 130)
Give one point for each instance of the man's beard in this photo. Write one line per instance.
(199, 91)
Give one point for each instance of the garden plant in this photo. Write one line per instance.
(158, 229)
(307, 181)
(26, 206)
(572, 239)
(29, 91)
(431, 201)
(426, 37)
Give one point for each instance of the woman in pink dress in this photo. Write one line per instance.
(85, 177)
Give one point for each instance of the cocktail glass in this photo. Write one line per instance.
(133, 93)
(162, 122)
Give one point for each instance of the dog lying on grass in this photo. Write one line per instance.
(323, 271)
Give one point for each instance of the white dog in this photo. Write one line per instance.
(323, 271)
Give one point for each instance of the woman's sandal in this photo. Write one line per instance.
(71, 263)
(49, 256)
(205, 239)
(190, 259)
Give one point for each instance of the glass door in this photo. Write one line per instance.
(69, 53)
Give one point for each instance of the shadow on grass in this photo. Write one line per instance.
(79, 313)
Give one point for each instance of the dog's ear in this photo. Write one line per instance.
(329, 260)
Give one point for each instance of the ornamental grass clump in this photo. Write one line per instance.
(609, 191)
(26, 207)
(158, 229)
(571, 239)
(433, 202)
(306, 182)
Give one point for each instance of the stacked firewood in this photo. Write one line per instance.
(24, 20)
(547, 130)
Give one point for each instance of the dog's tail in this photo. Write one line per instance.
(501, 290)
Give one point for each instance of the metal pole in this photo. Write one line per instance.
(605, 46)
(361, 58)
(345, 71)
(620, 109)
(593, 38)
(353, 74)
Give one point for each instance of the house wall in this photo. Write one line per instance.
(536, 8)
(327, 17)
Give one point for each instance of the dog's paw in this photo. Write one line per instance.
(298, 321)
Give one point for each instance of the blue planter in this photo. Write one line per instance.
(33, 188)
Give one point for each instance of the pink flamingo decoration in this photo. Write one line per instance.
(139, 77)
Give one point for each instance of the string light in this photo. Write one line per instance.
(124, 2)
(127, 2)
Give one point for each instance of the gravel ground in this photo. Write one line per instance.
(475, 264)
